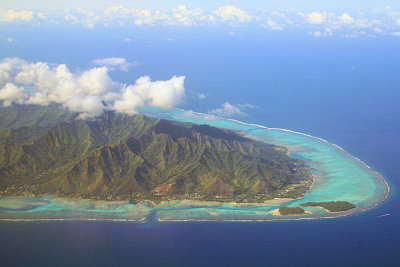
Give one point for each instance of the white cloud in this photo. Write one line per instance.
(10, 40)
(346, 18)
(13, 15)
(114, 62)
(111, 96)
(121, 13)
(83, 16)
(227, 110)
(109, 61)
(232, 13)
(4, 76)
(273, 25)
(38, 74)
(179, 16)
(328, 24)
(42, 83)
(21, 16)
(144, 92)
(87, 105)
(95, 81)
(315, 22)
(395, 34)
(315, 17)
(10, 92)
(186, 17)
(7, 67)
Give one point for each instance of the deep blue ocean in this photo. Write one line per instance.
(346, 91)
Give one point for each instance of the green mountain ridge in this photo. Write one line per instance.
(117, 156)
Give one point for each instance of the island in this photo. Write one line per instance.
(48, 150)
(331, 206)
(164, 165)
(290, 211)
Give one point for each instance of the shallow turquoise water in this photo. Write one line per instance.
(338, 176)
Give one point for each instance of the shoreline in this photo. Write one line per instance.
(335, 214)
(277, 213)
(387, 187)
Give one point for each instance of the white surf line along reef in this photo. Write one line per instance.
(377, 174)
(227, 212)
(349, 155)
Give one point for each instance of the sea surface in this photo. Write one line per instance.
(343, 90)
(369, 238)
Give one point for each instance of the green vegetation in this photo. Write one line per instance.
(287, 211)
(332, 206)
(17, 116)
(117, 156)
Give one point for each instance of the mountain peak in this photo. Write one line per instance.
(118, 156)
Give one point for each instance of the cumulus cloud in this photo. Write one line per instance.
(179, 16)
(10, 93)
(21, 16)
(381, 21)
(13, 15)
(41, 83)
(121, 13)
(85, 17)
(113, 63)
(316, 17)
(186, 17)
(317, 23)
(227, 110)
(95, 81)
(87, 105)
(329, 23)
(145, 92)
(346, 18)
(232, 13)
(4, 76)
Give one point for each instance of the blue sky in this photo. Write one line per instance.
(317, 18)
(206, 4)
(199, 54)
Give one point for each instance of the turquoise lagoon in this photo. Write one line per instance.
(337, 176)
